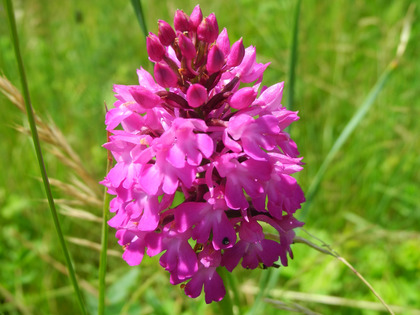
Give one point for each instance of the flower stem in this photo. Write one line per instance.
(37, 145)
(104, 242)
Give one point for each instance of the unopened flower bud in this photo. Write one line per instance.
(196, 17)
(208, 30)
(166, 33)
(144, 97)
(243, 98)
(181, 21)
(155, 49)
(223, 42)
(236, 55)
(186, 46)
(215, 59)
(196, 95)
(165, 76)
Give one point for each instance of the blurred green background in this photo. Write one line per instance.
(367, 207)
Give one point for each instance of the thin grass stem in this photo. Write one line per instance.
(37, 145)
(326, 249)
(293, 59)
(104, 241)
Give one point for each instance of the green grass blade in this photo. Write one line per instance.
(138, 9)
(351, 125)
(293, 59)
(104, 242)
(35, 137)
(361, 112)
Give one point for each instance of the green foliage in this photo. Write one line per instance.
(367, 206)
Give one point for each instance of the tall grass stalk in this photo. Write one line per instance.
(293, 59)
(104, 241)
(35, 137)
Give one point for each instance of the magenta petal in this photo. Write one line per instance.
(145, 97)
(223, 42)
(232, 256)
(165, 76)
(194, 286)
(224, 235)
(186, 46)
(250, 259)
(215, 59)
(134, 253)
(214, 288)
(237, 54)
(270, 252)
(150, 179)
(187, 264)
(176, 156)
(235, 198)
(205, 144)
(165, 33)
(243, 98)
(155, 49)
(196, 17)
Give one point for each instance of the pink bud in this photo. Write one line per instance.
(155, 49)
(186, 46)
(223, 42)
(243, 98)
(236, 55)
(181, 21)
(196, 95)
(144, 97)
(196, 17)
(165, 76)
(208, 30)
(166, 33)
(215, 59)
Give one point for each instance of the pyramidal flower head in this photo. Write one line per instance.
(194, 128)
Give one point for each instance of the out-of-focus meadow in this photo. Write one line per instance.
(367, 207)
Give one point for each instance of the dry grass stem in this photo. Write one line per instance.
(327, 299)
(79, 214)
(290, 307)
(92, 245)
(9, 298)
(51, 134)
(55, 264)
(326, 249)
(74, 191)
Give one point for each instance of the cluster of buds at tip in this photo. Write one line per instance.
(202, 158)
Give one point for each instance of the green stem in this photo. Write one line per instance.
(104, 242)
(293, 59)
(140, 16)
(35, 137)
